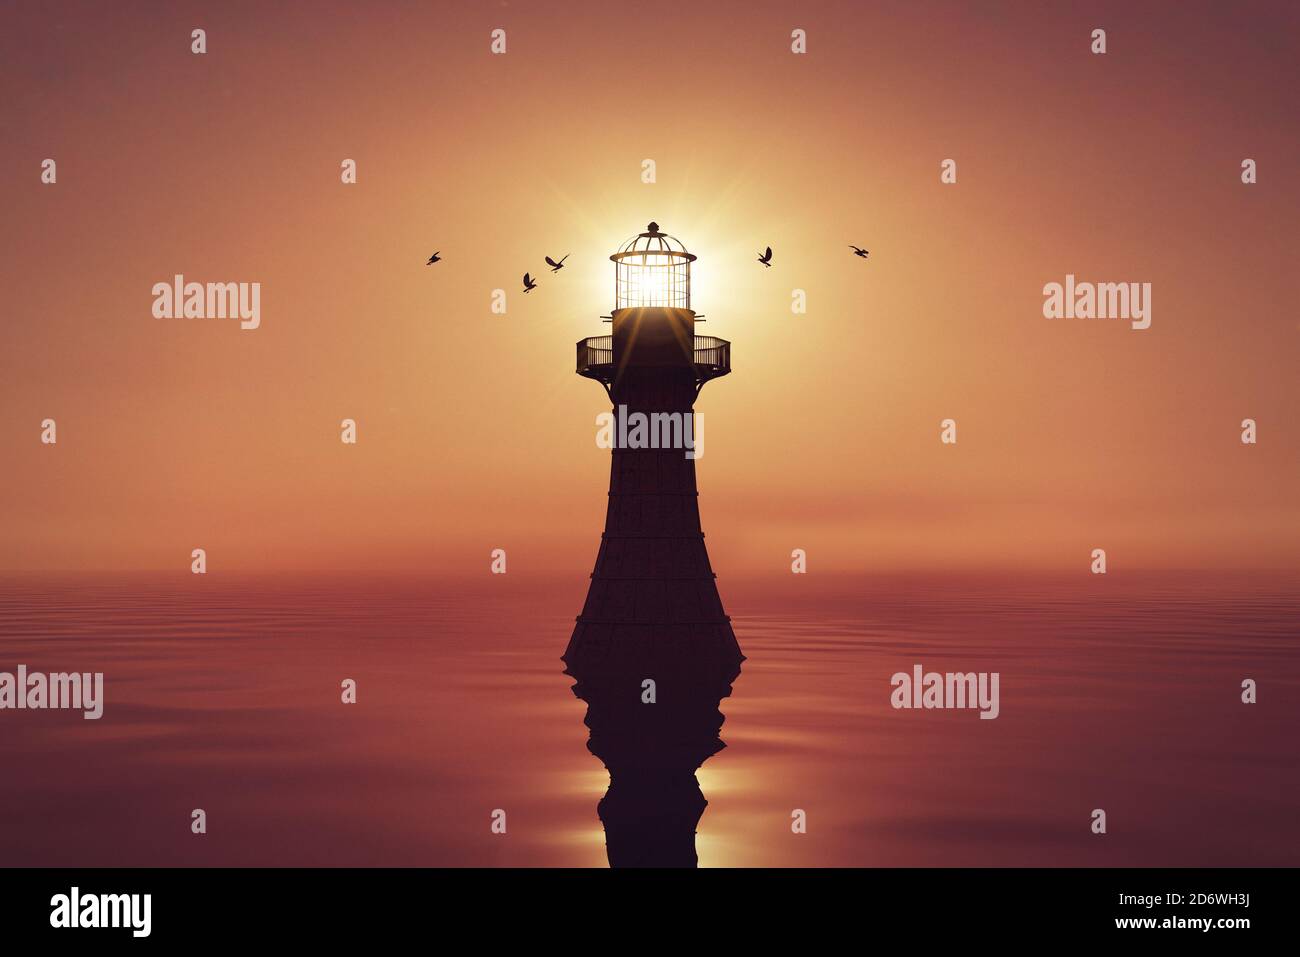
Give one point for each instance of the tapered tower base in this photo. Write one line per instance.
(653, 603)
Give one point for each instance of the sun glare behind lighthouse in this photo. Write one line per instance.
(648, 283)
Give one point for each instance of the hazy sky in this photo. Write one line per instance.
(474, 432)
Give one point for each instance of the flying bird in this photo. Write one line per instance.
(556, 266)
(859, 251)
(766, 258)
(434, 259)
(529, 283)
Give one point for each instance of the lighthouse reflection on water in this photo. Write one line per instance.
(653, 652)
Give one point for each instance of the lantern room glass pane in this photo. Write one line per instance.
(652, 279)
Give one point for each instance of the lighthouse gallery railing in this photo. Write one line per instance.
(596, 356)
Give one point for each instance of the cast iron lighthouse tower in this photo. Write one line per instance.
(653, 601)
(653, 652)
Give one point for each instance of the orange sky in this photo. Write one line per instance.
(474, 431)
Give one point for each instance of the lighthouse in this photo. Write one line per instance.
(653, 651)
(653, 601)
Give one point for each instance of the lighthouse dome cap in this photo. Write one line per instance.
(655, 242)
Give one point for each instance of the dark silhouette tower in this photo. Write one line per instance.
(652, 610)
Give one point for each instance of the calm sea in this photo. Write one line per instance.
(1117, 693)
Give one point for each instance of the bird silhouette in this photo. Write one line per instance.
(434, 259)
(766, 258)
(556, 266)
(859, 251)
(529, 283)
